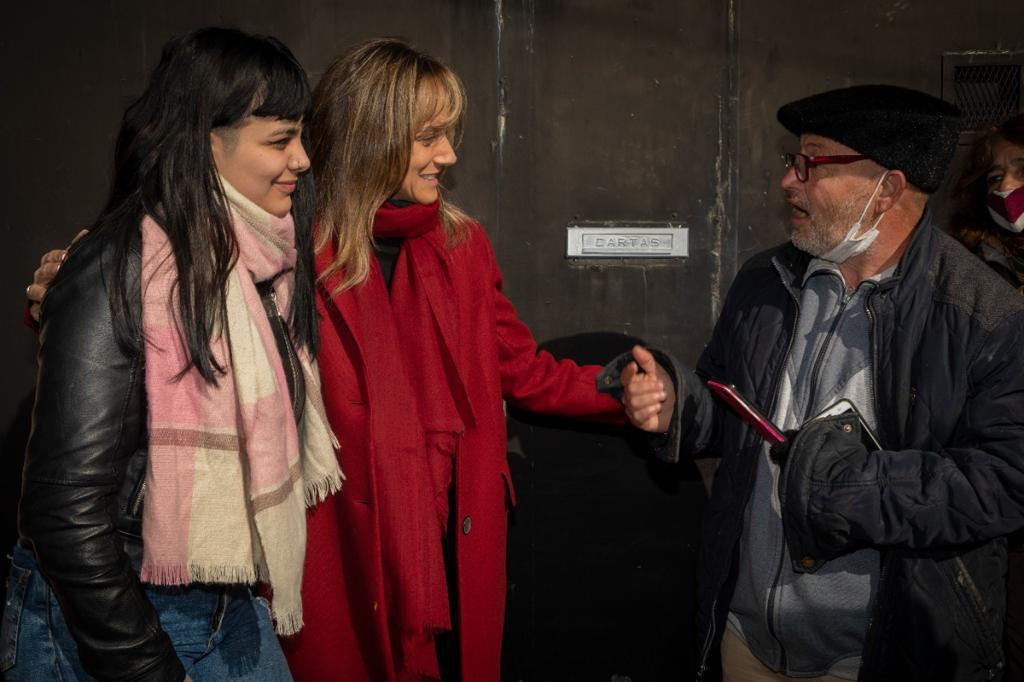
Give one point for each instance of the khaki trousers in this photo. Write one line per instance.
(739, 665)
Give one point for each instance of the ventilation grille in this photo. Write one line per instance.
(986, 93)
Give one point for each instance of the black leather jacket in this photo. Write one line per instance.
(83, 486)
(948, 361)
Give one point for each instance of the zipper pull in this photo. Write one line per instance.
(273, 298)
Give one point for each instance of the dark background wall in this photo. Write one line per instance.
(579, 109)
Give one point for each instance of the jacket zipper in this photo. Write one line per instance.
(770, 615)
(789, 347)
(819, 360)
(964, 580)
(137, 502)
(703, 665)
(874, 367)
(289, 351)
(884, 561)
(815, 375)
(770, 610)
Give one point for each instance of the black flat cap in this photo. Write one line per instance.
(899, 128)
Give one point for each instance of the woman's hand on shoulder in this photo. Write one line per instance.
(49, 264)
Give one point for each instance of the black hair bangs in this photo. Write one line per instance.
(285, 91)
(261, 77)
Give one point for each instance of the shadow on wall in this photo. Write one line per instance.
(601, 546)
(12, 458)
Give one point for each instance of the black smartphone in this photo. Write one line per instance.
(844, 406)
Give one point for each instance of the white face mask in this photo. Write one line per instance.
(852, 245)
(1007, 209)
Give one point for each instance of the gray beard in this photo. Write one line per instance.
(828, 227)
(814, 241)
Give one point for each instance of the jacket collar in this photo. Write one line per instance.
(918, 257)
(792, 262)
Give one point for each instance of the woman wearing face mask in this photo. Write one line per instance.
(988, 200)
(419, 348)
(988, 203)
(178, 431)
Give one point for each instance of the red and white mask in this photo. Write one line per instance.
(1007, 209)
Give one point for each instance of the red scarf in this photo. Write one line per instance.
(416, 399)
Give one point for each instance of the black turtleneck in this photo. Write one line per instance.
(386, 248)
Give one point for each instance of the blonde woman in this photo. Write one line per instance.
(418, 348)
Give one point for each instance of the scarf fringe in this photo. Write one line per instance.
(173, 575)
(287, 624)
(196, 573)
(317, 491)
(165, 575)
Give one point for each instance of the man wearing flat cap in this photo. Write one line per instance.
(871, 544)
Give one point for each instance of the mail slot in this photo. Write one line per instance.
(627, 240)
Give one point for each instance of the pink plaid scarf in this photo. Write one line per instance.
(229, 475)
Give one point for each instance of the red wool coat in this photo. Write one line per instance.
(345, 635)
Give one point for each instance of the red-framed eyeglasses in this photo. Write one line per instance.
(801, 163)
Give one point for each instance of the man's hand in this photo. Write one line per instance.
(49, 264)
(648, 393)
(824, 451)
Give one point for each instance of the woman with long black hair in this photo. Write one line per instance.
(178, 432)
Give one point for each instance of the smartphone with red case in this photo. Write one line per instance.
(747, 412)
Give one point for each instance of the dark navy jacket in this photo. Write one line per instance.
(948, 351)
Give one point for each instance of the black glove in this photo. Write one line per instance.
(779, 451)
(821, 451)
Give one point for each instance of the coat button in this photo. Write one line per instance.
(807, 562)
(467, 525)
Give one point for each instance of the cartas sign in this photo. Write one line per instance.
(627, 240)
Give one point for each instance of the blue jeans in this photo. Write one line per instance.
(220, 632)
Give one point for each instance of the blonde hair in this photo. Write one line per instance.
(367, 110)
